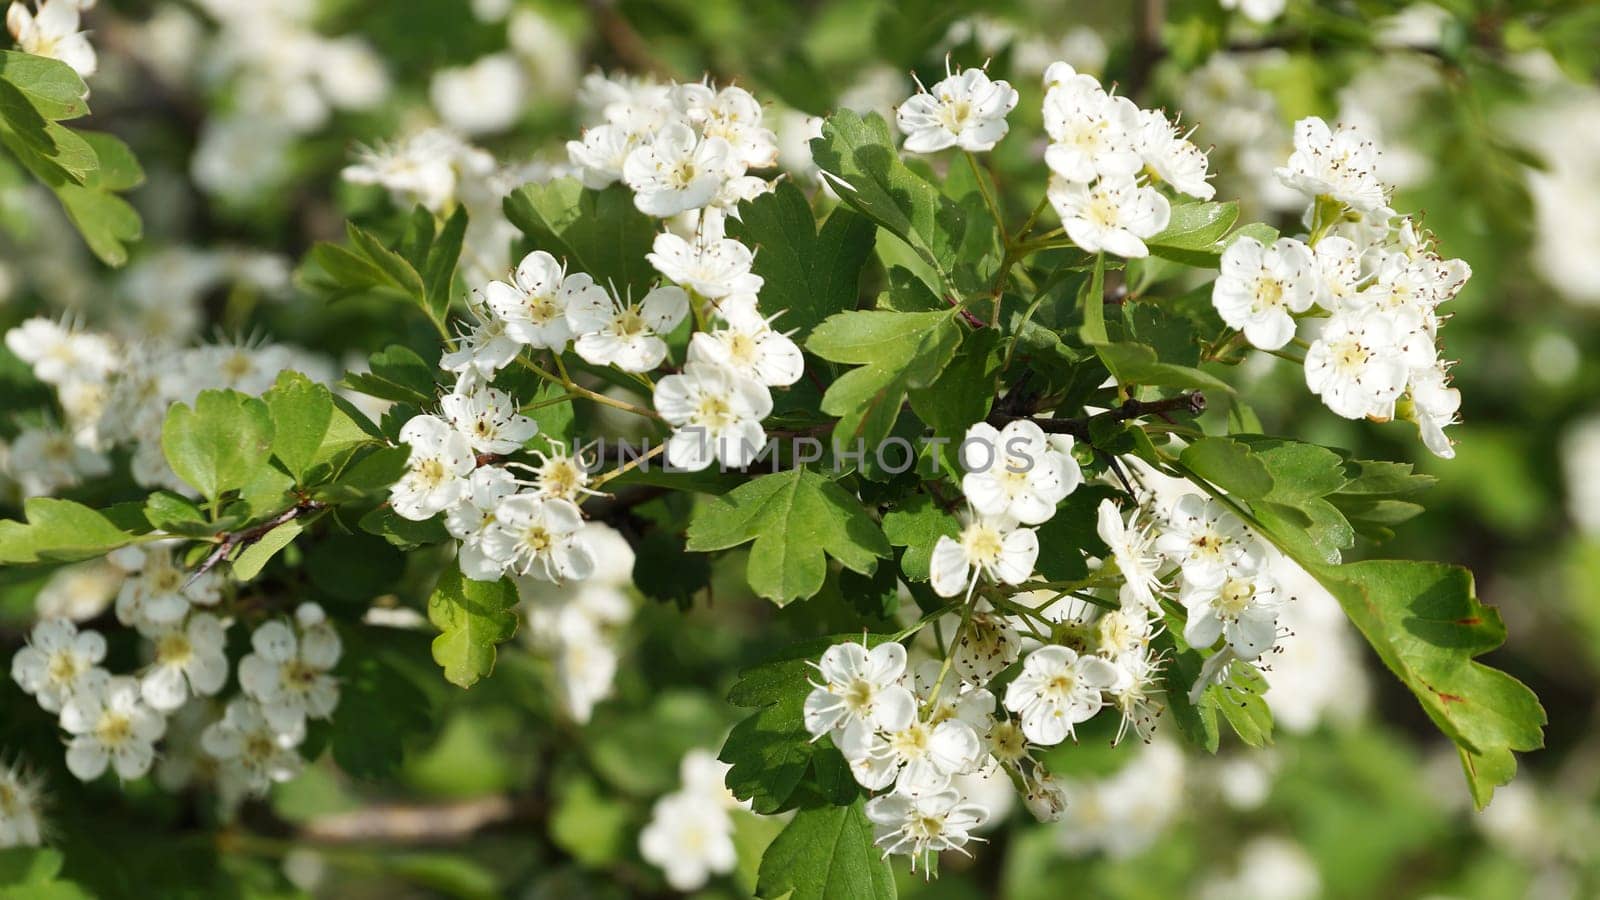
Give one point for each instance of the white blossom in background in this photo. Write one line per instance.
(21, 808)
(190, 659)
(427, 168)
(485, 96)
(289, 671)
(52, 29)
(1259, 11)
(1126, 813)
(576, 622)
(966, 109)
(252, 750)
(110, 724)
(1270, 867)
(57, 662)
(690, 833)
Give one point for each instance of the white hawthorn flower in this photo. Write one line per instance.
(711, 268)
(1357, 366)
(986, 648)
(690, 838)
(1056, 690)
(1434, 405)
(471, 517)
(1171, 156)
(715, 414)
(489, 419)
(533, 305)
(600, 154)
(1208, 542)
(1337, 163)
(920, 827)
(918, 759)
(44, 459)
(53, 31)
(561, 475)
(1259, 11)
(1261, 288)
(57, 661)
(259, 754)
(860, 690)
(1091, 132)
(676, 171)
(425, 168)
(1133, 550)
(626, 334)
(110, 724)
(1114, 214)
(1243, 609)
(1338, 272)
(436, 478)
(1013, 472)
(989, 546)
(21, 802)
(538, 536)
(966, 109)
(485, 348)
(735, 115)
(1046, 797)
(59, 354)
(189, 659)
(159, 592)
(288, 672)
(485, 96)
(750, 348)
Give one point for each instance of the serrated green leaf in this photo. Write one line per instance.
(398, 374)
(1137, 364)
(809, 274)
(1230, 465)
(1196, 226)
(220, 443)
(51, 86)
(472, 617)
(794, 517)
(439, 267)
(826, 852)
(865, 168)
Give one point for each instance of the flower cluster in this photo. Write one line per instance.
(1071, 650)
(690, 835)
(1373, 278)
(680, 148)
(115, 721)
(1105, 156)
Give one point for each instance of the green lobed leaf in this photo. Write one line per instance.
(809, 274)
(917, 524)
(895, 353)
(794, 517)
(866, 170)
(1137, 364)
(1196, 226)
(439, 266)
(826, 852)
(51, 86)
(301, 412)
(220, 443)
(249, 563)
(598, 232)
(472, 617)
(1230, 465)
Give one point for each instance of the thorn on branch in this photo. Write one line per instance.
(227, 542)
